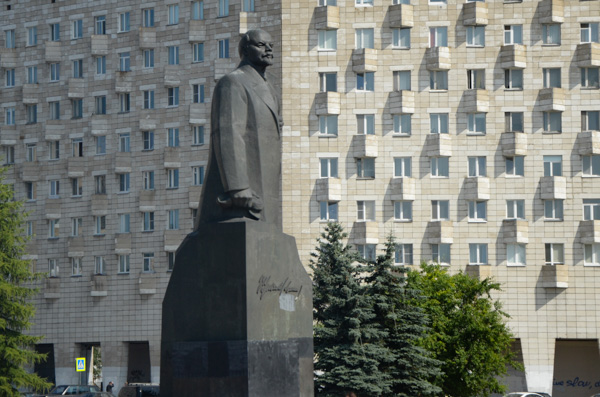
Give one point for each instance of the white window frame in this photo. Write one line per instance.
(100, 225)
(402, 80)
(76, 266)
(76, 29)
(590, 77)
(591, 209)
(552, 122)
(198, 52)
(53, 228)
(149, 58)
(476, 79)
(553, 165)
(513, 34)
(477, 211)
(515, 166)
(403, 211)
(476, 36)
(438, 166)
(441, 254)
(328, 167)
(198, 175)
(99, 264)
(124, 223)
(440, 210)
(365, 211)
(590, 165)
(514, 121)
(438, 80)
(148, 221)
(516, 254)
(148, 262)
(365, 124)
(403, 254)
(367, 252)
(365, 167)
(513, 79)
(365, 81)
(327, 40)
(438, 36)
(402, 124)
(364, 38)
(590, 120)
(550, 35)
(515, 209)
(328, 125)
(124, 264)
(124, 182)
(439, 123)
(173, 219)
(401, 38)
(554, 254)
(124, 25)
(591, 255)
(478, 254)
(148, 180)
(477, 166)
(589, 32)
(173, 14)
(402, 167)
(552, 77)
(477, 123)
(173, 54)
(173, 178)
(328, 211)
(148, 17)
(554, 210)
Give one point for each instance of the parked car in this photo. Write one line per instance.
(542, 394)
(70, 390)
(98, 394)
(139, 390)
(523, 394)
(596, 395)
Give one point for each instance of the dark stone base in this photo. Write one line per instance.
(237, 316)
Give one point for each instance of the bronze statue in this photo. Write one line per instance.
(244, 171)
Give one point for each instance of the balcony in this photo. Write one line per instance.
(364, 146)
(99, 124)
(9, 135)
(328, 189)
(327, 17)
(76, 166)
(552, 11)
(475, 13)
(172, 77)
(99, 204)
(513, 56)
(76, 88)
(589, 232)
(480, 272)
(364, 60)
(327, 103)
(197, 31)
(8, 58)
(401, 16)
(199, 111)
(171, 158)
(54, 129)
(476, 101)
(99, 285)
(194, 193)
(477, 188)
(31, 93)
(52, 50)
(147, 284)
(402, 188)
(146, 200)
(439, 232)
(438, 145)
(402, 102)
(100, 44)
(589, 142)
(52, 288)
(147, 37)
(248, 21)
(30, 171)
(552, 99)
(587, 55)
(513, 144)
(515, 231)
(365, 232)
(555, 276)
(123, 244)
(52, 208)
(438, 58)
(75, 246)
(553, 187)
(172, 239)
(123, 81)
(122, 162)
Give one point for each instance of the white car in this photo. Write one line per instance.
(523, 394)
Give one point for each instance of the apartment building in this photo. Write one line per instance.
(468, 130)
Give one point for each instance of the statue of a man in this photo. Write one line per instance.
(244, 171)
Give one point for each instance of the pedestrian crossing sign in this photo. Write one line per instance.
(80, 364)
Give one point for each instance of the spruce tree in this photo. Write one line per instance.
(348, 353)
(16, 348)
(413, 369)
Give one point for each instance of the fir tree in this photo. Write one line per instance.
(413, 369)
(16, 348)
(348, 353)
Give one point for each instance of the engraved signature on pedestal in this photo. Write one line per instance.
(285, 287)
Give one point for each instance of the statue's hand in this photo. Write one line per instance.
(246, 198)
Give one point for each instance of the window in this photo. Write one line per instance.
(198, 135)
(402, 80)
(29, 191)
(248, 5)
(148, 139)
(590, 77)
(30, 152)
(101, 144)
(173, 220)
(478, 254)
(173, 96)
(365, 210)
(477, 211)
(198, 93)
(477, 166)
(101, 64)
(328, 124)
(223, 8)
(31, 111)
(591, 209)
(32, 36)
(365, 167)
(327, 40)
(475, 36)
(328, 211)
(100, 225)
(148, 58)
(170, 261)
(515, 255)
(76, 187)
(590, 120)
(438, 36)
(197, 10)
(98, 265)
(10, 77)
(76, 226)
(552, 165)
(54, 108)
(148, 262)
(553, 210)
(100, 182)
(124, 61)
(591, 255)
(9, 154)
(172, 137)
(515, 166)
(440, 210)
(53, 228)
(513, 121)
(124, 142)
(555, 254)
(148, 17)
(173, 178)
(173, 14)
(551, 34)
(551, 77)
(148, 221)
(365, 81)
(124, 22)
(401, 38)
(100, 104)
(515, 209)
(591, 165)
(402, 124)
(224, 48)
(589, 32)
(364, 2)
(439, 167)
(400, 2)
(173, 55)
(476, 79)
(438, 123)
(9, 117)
(124, 183)
(52, 268)
(100, 25)
(198, 52)
(402, 167)
(364, 38)
(476, 123)
(552, 121)
(124, 264)
(32, 75)
(403, 254)
(403, 211)
(329, 167)
(149, 99)
(76, 29)
(198, 176)
(513, 79)
(77, 108)
(76, 266)
(440, 253)
(10, 38)
(77, 68)
(124, 223)
(438, 79)
(513, 34)
(54, 150)
(124, 102)
(365, 124)
(54, 32)
(366, 251)
(148, 180)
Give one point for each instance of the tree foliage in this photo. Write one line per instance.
(469, 331)
(16, 348)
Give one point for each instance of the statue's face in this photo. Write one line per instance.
(259, 50)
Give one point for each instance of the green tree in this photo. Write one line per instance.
(348, 354)
(469, 331)
(412, 370)
(16, 349)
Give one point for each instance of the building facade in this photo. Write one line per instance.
(468, 130)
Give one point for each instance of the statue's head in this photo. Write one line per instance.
(256, 48)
